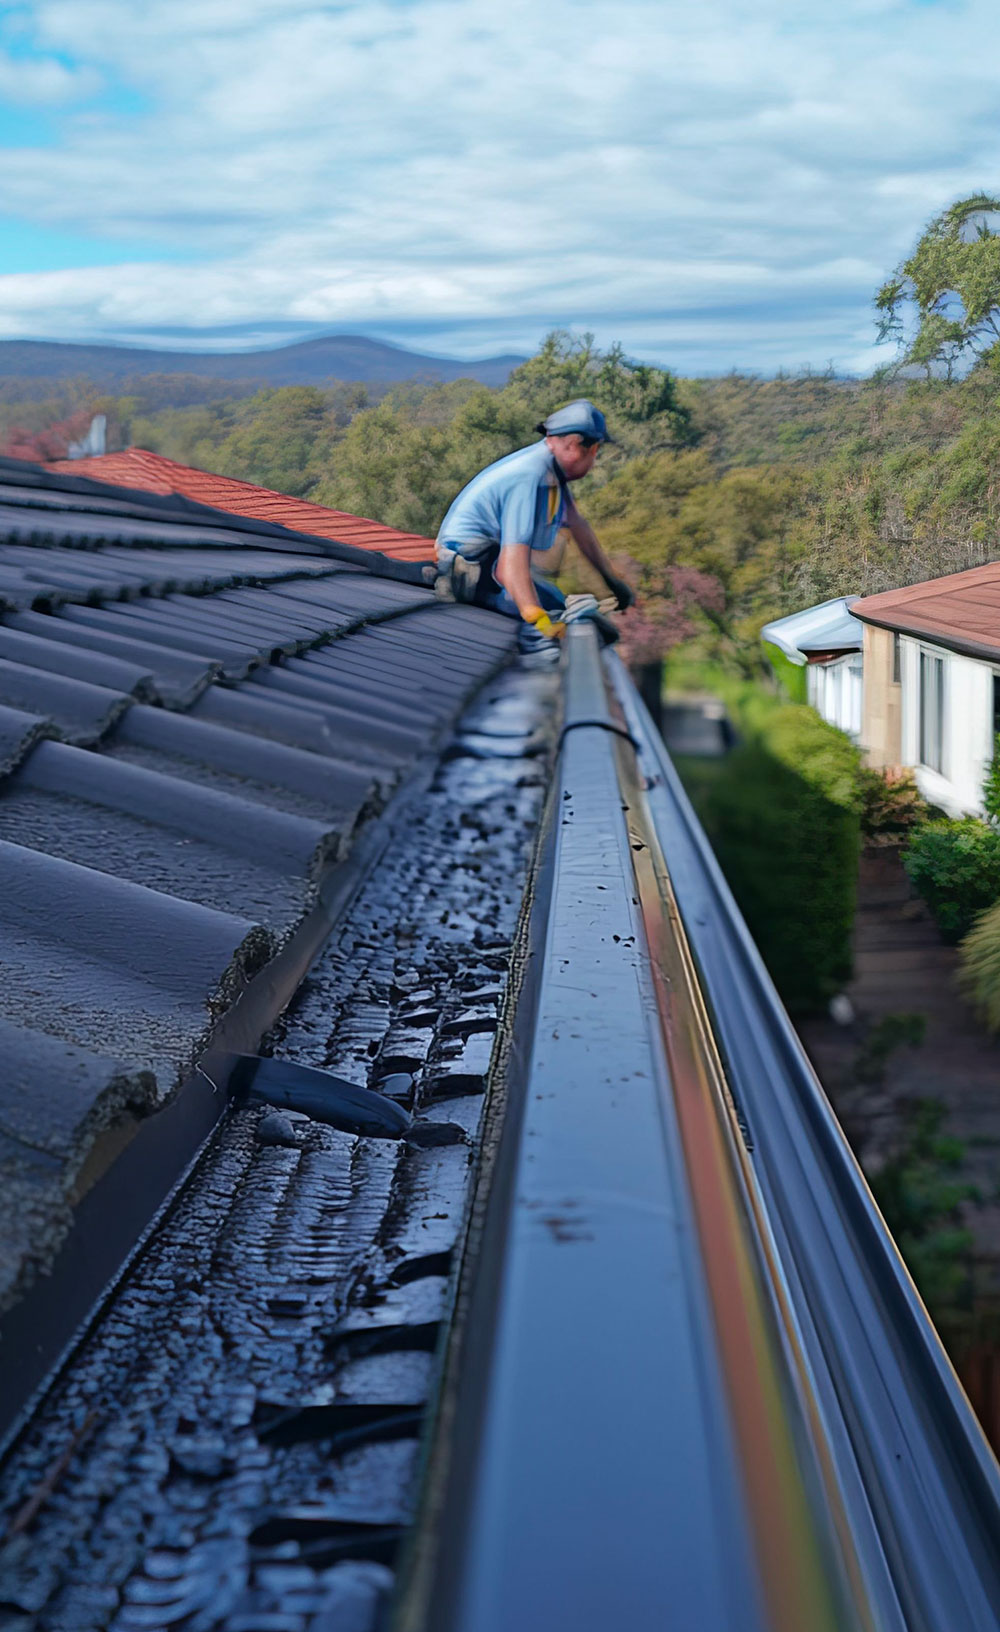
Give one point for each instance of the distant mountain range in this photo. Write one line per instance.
(307, 362)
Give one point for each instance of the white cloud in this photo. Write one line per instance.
(383, 163)
(43, 82)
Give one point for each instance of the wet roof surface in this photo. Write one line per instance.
(138, 468)
(961, 611)
(260, 1380)
(195, 721)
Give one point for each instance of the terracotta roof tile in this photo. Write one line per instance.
(961, 611)
(138, 468)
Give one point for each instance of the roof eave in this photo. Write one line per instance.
(952, 643)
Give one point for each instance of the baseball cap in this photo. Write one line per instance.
(580, 417)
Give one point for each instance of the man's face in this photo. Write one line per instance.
(574, 455)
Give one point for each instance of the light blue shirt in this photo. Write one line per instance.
(521, 499)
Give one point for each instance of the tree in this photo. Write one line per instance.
(641, 402)
(279, 439)
(672, 604)
(404, 460)
(950, 287)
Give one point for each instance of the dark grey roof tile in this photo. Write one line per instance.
(177, 676)
(16, 591)
(19, 732)
(347, 725)
(419, 685)
(262, 632)
(45, 1137)
(250, 710)
(302, 722)
(35, 1215)
(237, 762)
(277, 842)
(309, 620)
(128, 621)
(175, 623)
(79, 712)
(92, 1090)
(297, 678)
(158, 856)
(17, 646)
(114, 967)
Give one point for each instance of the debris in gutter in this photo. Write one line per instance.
(319, 1094)
(276, 1129)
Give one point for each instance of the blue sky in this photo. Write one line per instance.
(716, 185)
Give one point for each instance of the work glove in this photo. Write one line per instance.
(540, 620)
(623, 593)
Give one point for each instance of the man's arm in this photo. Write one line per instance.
(590, 549)
(513, 571)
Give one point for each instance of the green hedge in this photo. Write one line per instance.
(781, 812)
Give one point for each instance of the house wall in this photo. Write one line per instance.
(882, 702)
(834, 690)
(968, 727)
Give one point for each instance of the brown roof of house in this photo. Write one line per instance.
(961, 611)
(138, 468)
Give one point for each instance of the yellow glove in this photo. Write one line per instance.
(540, 620)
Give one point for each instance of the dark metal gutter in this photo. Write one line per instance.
(628, 1434)
(920, 1486)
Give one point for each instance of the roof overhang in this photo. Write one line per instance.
(984, 651)
(816, 632)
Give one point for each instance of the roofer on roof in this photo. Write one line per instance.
(517, 506)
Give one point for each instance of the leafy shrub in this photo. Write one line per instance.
(955, 865)
(891, 805)
(979, 973)
(781, 812)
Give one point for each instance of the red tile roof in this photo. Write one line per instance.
(154, 474)
(961, 611)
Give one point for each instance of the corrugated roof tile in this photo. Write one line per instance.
(79, 711)
(154, 858)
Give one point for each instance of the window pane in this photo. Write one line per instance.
(931, 711)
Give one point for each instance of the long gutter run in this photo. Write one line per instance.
(690, 1382)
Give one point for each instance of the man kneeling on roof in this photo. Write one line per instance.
(517, 506)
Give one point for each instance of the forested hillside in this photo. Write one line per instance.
(742, 496)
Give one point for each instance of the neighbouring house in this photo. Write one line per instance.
(137, 468)
(932, 682)
(827, 640)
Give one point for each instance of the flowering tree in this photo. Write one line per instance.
(668, 601)
(17, 442)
